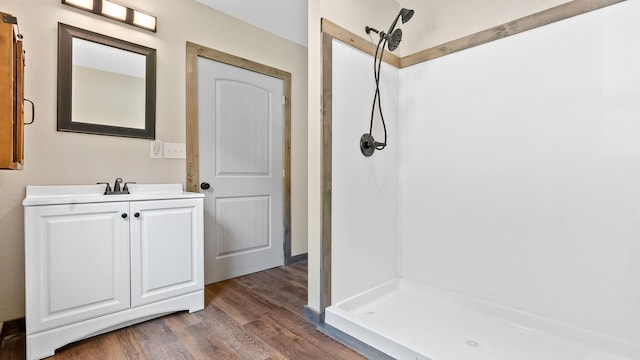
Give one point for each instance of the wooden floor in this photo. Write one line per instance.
(258, 316)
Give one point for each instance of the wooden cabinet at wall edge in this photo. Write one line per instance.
(11, 95)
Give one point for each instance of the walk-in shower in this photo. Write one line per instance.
(391, 39)
(504, 223)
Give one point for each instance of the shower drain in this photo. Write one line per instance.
(473, 344)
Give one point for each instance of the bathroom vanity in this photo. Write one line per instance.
(95, 262)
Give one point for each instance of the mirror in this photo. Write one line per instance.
(106, 86)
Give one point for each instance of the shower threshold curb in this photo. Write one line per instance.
(354, 344)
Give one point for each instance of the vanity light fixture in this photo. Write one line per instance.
(116, 11)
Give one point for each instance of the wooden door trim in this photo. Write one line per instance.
(326, 166)
(332, 31)
(193, 147)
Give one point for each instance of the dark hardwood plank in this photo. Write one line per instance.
(238, 302)
(308, 343)
(280, 293)
(129, 345)
(87, 349)
(12, 347)
(258, 316)
(242, 342)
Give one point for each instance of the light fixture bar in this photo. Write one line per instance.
(117, 12)
(114, 10)
(81, 4)
(144, 21)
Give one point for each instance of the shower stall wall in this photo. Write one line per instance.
(502, 222)
(365, 202)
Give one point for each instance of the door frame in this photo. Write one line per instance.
(194, 51)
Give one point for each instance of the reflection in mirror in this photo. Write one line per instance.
(119, 100)
(105, 85)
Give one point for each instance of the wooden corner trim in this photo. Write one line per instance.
(542, 18)
(326, 179)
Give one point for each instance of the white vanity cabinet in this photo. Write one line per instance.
(95, 263)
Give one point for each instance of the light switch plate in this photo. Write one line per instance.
(155, 149)
(175, 151)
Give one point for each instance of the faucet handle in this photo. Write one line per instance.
(107, 190)
(126, 188)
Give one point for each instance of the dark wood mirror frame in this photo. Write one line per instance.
(66, 34)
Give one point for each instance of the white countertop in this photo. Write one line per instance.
(79, 194)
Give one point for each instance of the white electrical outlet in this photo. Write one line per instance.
(175, 151)
(155, 149)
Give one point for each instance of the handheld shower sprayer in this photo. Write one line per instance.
(391, 39)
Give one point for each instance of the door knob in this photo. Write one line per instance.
(205, 186)
(124, 215)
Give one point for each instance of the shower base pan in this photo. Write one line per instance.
(409, 320)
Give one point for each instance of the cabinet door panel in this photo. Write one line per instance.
(166, 248)
(80, 259)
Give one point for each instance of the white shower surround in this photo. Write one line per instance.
(517, 166)
(365, 204)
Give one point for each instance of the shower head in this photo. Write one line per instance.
(394, 39)
(393, 36)
(406, 14)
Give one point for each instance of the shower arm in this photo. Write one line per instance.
(369, 29)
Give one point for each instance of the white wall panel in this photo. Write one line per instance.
(365, 190)
(520, 165)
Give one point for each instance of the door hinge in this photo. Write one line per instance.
(284, 100)
(8, 19)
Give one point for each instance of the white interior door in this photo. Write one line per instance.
(240, 156)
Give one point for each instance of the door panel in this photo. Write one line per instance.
(243, 141)
(242, 225)
(240, 138)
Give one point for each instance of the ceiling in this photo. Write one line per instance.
(441, 20)
(285, 18)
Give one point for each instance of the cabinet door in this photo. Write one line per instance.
(77, 263)
(166, 249)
